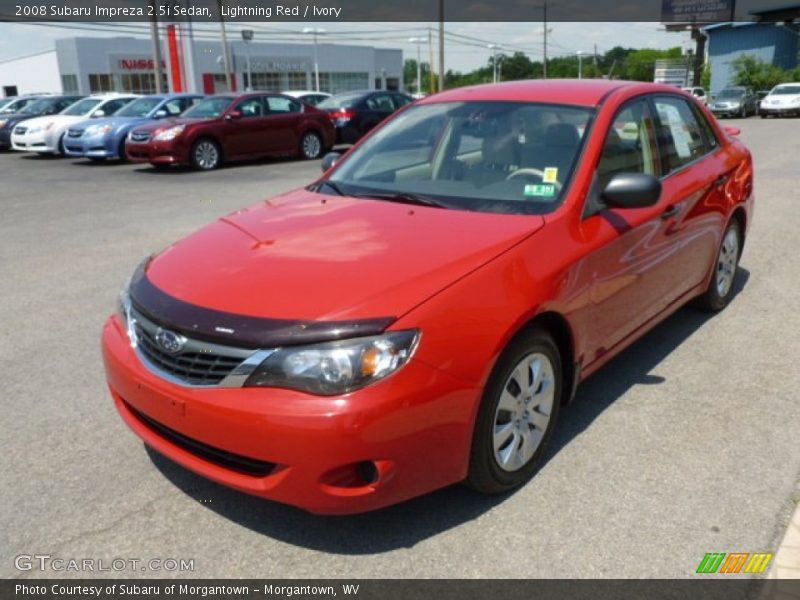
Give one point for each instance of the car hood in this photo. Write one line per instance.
(113, 121)
(56, 120)
(314, 257)
(161, 124)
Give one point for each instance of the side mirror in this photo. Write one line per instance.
(329, 160)
(732, 130)
(160, 114)
(632, 190)
(98, 113)
(234, 115)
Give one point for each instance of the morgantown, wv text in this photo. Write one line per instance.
(124, 590)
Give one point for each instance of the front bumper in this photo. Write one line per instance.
(34, 142)
(733, 111)
(157, 153)
(97, 146)
(780, 110)
(414, 427)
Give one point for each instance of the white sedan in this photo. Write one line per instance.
(784, 99)
(45, 135)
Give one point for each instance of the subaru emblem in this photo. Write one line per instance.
(169, 341)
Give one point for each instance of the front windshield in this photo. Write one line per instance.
(209, 108)
(505, 157)
(786, 89)
(38, 106)
(82, 107)
(139, 108)
(340, 101)
(731, 94)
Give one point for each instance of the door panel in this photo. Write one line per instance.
(283, 122)
(629, 250)
(243, 135)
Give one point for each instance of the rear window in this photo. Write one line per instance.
(341, 101)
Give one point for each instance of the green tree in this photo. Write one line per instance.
(705, 79)
(410, 75)
(757, 74)
(640, 64)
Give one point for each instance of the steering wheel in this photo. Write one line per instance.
(531, 171)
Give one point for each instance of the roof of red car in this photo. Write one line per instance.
(583, 92)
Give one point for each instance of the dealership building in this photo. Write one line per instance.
(87, 65)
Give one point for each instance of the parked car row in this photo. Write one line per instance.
(740, 101)
(191, 129)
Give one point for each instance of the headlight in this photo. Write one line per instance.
(170, 134)
(98, 129)
(124, 312)
(336, 367)
(3, 123)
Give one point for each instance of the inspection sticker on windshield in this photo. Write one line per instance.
(550, 175)
(545, 190)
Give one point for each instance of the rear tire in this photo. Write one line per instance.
(720, 288)
(205, 155)
(517, 414)
(310, 146)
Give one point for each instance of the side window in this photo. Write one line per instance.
(400, 100)
(629, 146)
(252, 107)
(382, 102)
(281, 105)
(711, 138)
(680, 136)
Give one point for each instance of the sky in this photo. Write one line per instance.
(461, 54)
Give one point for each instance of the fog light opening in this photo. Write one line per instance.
(368, 471)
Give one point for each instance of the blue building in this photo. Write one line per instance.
(776, 43)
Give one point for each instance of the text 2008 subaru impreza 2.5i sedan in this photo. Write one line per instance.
(417, 316)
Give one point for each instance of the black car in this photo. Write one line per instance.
(46, 105)
(355, 113)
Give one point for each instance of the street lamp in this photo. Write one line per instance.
(580, 64)
(315, 31)
(494, 48)
(418, 41)
(247, 37)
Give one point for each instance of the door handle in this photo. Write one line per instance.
(671, 211)
(721, 180)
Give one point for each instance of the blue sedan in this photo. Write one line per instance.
(99, 139)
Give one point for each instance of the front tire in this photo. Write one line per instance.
(310, 146)
(720, 288)
(206, 155)
(517, 415)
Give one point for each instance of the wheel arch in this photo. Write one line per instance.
(559, 328)
(739, 215)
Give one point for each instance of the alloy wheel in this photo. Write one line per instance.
(206, 155)
(311, 146)
(726, 263)
(523, 413)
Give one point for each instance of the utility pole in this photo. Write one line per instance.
(418, 41)
(430, 70)
(544, 60)
(441, 45)
(226, 57)
(247, 37)
(159, 71)
(494, 48)
(580, 64)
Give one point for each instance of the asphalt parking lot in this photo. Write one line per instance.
(685, 444)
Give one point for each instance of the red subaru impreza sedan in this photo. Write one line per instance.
(231, 127)
(417, 316)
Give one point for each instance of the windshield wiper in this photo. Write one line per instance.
(331, 184)
(404, 197)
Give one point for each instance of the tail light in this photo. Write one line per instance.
(341, 115)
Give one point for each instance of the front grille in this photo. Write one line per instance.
(194, 368)
(222, 458)
(140, 136)
(74, 133)
(20, 130)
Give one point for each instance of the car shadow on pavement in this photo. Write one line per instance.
(406, 524)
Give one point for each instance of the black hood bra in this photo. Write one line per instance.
(231, 329)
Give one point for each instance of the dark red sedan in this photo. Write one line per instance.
(231, 127)
(417, 316)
